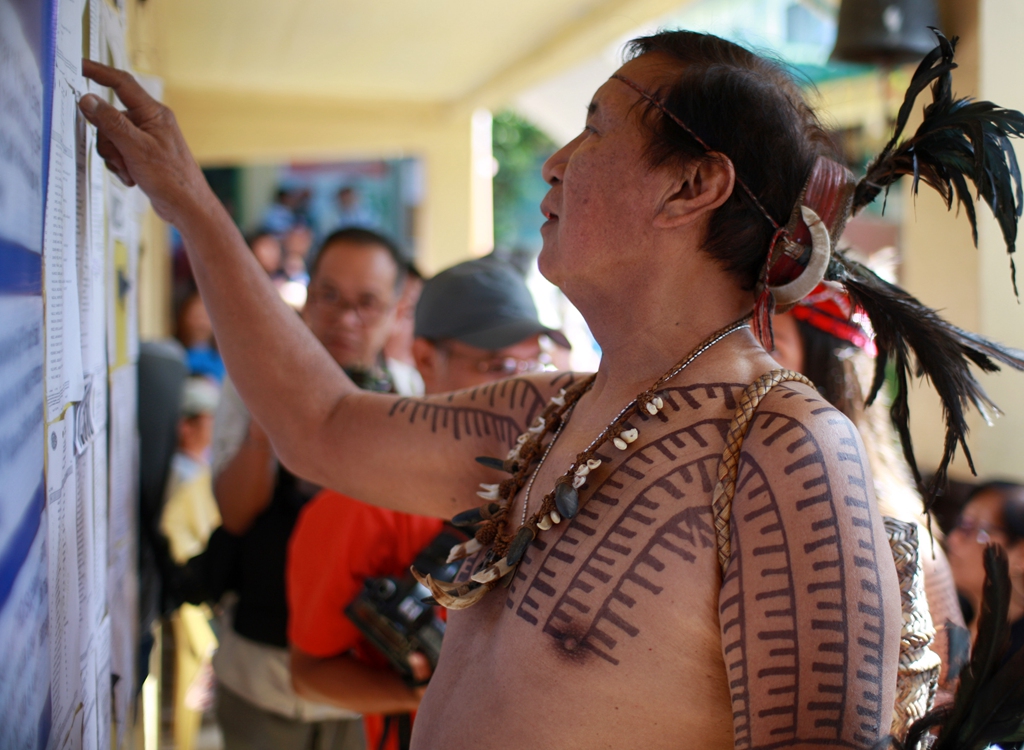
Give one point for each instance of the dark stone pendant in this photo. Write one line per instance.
(517, 549)
(474, 516)
(491, 463)
(567, 500)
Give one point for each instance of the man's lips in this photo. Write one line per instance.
(545, 209)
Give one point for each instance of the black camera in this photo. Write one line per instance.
(391, 613)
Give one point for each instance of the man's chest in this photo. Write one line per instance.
(637, 564)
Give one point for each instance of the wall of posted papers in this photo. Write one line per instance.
(68, 347)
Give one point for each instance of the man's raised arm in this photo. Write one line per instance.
(809, 605)
(412, 456)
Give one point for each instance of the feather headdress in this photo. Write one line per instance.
(960, 141)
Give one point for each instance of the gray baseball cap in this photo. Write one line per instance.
(482, 303)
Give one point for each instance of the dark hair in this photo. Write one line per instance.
(1011, 507)
(749, 109)
(253, 237)
(827, 364)
(364, 237)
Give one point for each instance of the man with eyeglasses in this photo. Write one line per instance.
(355, 285)
(476, 323)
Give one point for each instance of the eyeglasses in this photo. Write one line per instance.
(982, 532)
(368, 310)
(502, 366)
(508, 366)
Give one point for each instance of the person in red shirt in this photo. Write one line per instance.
(475, 323)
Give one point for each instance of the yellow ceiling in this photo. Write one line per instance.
(468, 52)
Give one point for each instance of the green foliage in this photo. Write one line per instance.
(520, 149)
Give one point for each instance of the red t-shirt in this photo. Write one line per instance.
(337, 544)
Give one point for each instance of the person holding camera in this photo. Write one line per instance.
(356, 282)
(476, 323)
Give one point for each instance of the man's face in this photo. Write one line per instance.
(351, 303)
(451, 365)
(603, 196)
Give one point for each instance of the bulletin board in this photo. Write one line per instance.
(69, 238)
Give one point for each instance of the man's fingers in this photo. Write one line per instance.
(420, 666)
(128, 90)
(121, 172)
(112, 124)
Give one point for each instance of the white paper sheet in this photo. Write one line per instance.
(25, 666)
(21, 134)
(103, 683)
(100, 522)
(122, 580)
(62, 565)
(64, 373)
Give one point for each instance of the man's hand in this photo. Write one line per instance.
(345, 682)
(143, 145)
(420, 673)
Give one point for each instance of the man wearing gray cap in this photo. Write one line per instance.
(476, 322)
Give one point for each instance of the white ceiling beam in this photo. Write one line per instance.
(570, 44)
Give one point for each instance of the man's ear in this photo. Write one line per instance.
(424, 356)
(703, 186)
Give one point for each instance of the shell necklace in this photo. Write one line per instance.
(491, 520)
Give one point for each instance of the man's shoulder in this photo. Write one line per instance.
(795, 410)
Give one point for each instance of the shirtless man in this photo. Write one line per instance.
(618, 630)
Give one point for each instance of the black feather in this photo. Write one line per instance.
(958, 140)
(988, 707)
(920, 343)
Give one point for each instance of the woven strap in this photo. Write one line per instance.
(728, 468)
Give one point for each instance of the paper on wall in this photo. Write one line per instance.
(21, 415)
(21, 134)
(103, 683)
(122, 578)
(25, 666)
(64, 373)
(62, 566)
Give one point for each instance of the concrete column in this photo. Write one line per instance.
(458, 211)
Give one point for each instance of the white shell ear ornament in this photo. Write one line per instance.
(788, 294)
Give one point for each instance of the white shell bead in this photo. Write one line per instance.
(555, 517)
(582, 470)
(629, 435)
(544, 523)
(578, 482)
(593, 463)
(651, 408)
(658, 402)
(522, 439)
(619, 443)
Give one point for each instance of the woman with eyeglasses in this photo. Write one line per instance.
(994, 513)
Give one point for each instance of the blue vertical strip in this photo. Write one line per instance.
(47, 62)
(17, 550)
(21, 270)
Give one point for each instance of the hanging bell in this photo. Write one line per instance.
(885, 32)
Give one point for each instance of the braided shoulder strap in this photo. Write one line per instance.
(728, 468)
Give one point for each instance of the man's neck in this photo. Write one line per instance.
(658, 327)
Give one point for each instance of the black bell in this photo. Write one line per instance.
(885, 32)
